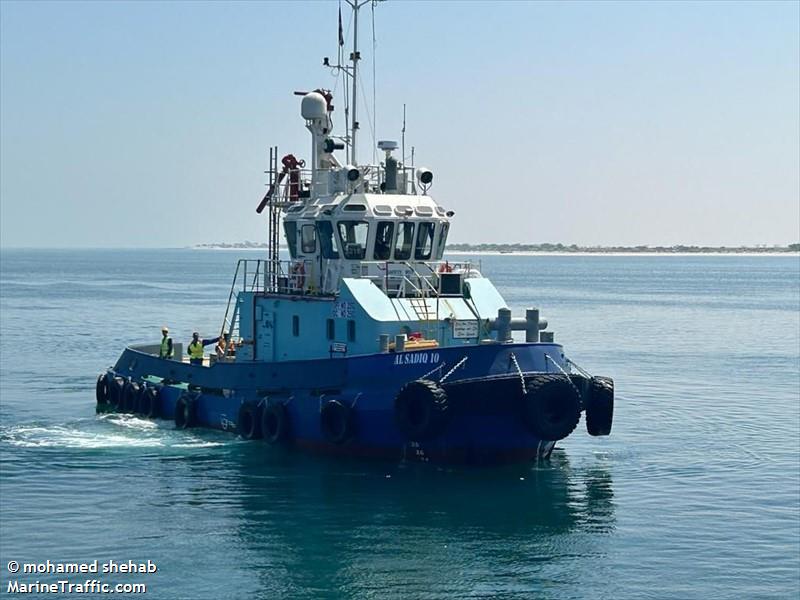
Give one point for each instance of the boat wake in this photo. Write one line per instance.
(113, 431)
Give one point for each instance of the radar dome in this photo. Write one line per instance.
(314, 106)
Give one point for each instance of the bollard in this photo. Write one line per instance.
(400, 342)
(532, 325)
(503, 324)
(383, 342)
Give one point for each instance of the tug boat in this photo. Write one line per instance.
(366, 342)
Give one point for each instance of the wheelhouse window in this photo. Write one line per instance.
(290, 229)
(353, 235)
(308, 239)
(424, 247)
(405, 237)
(327, 241)
(445, 227)
(383, 240)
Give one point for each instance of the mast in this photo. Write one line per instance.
(355, 57)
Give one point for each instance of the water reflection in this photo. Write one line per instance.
(307, 524)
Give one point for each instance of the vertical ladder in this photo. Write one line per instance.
(273, 227)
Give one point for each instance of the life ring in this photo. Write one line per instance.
(298, 273)
(275, 423)
(248, 424)
(336, 421)
(102, 390)
(147, 405)
(186, 411)
(551, 408)
(600, 406)
(130, 395)
(445, 267)
(421, 410)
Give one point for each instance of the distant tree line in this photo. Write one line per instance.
(680, 248)
(571, 248)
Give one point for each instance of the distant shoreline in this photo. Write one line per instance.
(574, 250)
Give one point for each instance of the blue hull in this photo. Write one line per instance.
(484, 385)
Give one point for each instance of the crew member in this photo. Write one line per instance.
(196, 348)
(165, 350)
(224, 346)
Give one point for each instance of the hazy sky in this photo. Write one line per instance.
(147, 124)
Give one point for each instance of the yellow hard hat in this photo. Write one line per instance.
(165, 329)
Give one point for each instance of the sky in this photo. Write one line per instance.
(128, 124)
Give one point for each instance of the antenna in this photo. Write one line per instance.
(352, 71)
(403, 142)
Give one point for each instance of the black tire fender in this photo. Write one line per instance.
(275, 423)
(148, 405)
(551, 408)
(130, 397)
(336, 421)
(116, 385)
(421, 410)
(186, 411)
(248, 423)
(102, 389)
(600, 406)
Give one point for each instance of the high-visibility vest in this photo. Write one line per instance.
(196, 350)
(164, 352)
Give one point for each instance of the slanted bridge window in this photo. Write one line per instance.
(327, 242)
(442, 240)
(383, 240)
(422, 251)
(290, 228)
(308, 239)
(353, 235)
(405, 237)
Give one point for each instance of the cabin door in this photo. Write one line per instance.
(265, 337)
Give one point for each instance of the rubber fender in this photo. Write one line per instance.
(600, 406)
(102, 389)
(186, 411)
(130, 396)
(116, 386)
(421, 410)
(551, 408)
(248, 423)
(148, 405)
(275, 423)
(336, 421)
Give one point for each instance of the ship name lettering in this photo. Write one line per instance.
(416, 358)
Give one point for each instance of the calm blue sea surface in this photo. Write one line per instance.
(696, 494)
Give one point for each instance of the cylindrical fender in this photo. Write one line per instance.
(275, 423)
(336, 421)
(148, 405)
(130, 396)
(421, 410)
(600, 406)
(186, 411)
(116, 386)
(551, 408)
(102, 390)
(248, 424)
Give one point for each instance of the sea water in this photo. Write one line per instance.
(696, 494)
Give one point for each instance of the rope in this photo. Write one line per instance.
(519, 371)
(569, 380)
(451, 371)
(439, 368)
(583, 371)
